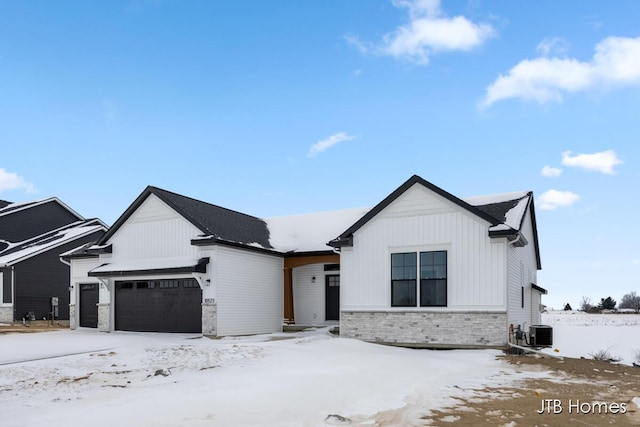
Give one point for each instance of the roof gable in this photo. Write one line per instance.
(347, 235)
(211, 220)
(22, 221)
(505, 212)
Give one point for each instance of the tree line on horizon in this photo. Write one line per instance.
(628, 301)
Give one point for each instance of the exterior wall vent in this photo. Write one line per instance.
(540, 336)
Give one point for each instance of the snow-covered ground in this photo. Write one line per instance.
(70, 378)
(172, 379)
(579, 334)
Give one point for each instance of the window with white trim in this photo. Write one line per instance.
(430, 267)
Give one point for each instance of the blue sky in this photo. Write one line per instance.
(284, 107)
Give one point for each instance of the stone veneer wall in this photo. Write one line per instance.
(6, 314)
(426, 329)
(210, 320)
(104, 317)
(72, 316)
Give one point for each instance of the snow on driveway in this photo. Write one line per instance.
(146, 379)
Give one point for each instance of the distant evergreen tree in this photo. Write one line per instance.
(607, 303)
(567, 307)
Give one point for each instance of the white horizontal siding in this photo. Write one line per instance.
(476, 264)
(154, 230)
(309, 295)
(250, 292)
(522, 273)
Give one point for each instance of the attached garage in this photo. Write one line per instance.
(88, 305)
(172, 305)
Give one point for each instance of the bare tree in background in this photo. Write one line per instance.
(631, 300)
(585, 304)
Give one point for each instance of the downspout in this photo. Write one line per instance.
(13, 290)
(65, 262)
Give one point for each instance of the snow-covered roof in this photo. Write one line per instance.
(508, 208)
(21, 251)
(310, 232)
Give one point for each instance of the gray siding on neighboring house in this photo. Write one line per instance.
(32, 222)
(43, 276)
(6, 284)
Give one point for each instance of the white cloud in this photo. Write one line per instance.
(13, 181)
(550, 171)
(614, 64)
(355, 41)
(553, 46)
(327, 143)
(603, 162)
(552, 199)
(428, 31)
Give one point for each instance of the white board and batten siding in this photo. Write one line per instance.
(522, 273)
(309, 294)
(80, 268)
(154, 231)
(420, 220)
(250, 291)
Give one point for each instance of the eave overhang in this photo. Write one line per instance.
(214, 240)
(539, 289)
(116, 271)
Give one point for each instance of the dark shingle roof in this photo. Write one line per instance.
(211, 220)
(499, 210)
(4, 204)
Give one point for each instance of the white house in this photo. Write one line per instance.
(421, 268)
(171, 263)
(425, 268)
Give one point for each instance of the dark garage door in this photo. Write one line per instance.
(159, 306)
(89, 305)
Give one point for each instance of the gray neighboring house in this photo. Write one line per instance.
(32, 237)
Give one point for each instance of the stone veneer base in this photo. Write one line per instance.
(72, 316)
(210, 320)
(104, 317)
(6, 314)
(427, 329)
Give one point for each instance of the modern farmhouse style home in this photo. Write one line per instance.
(425, 268)
(422, 268)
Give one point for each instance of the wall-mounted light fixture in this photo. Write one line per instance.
(208, 282)
(313, 279)
(70, 288)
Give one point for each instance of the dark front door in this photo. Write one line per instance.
(332, 297)
(88, 305)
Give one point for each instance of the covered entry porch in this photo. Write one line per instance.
(312, 289)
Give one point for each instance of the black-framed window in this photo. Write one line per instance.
(168, 284)
(403, 279)
(430, 267)
(433, 279)
(190, 283)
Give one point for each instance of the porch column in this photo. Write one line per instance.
(288, 295)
